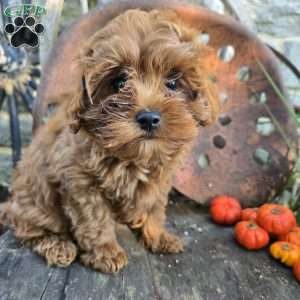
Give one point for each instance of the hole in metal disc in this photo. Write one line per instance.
(203, 38)
(258, 98)
(203, 161)
(262, 157)
(226, 53)
(264, 126)
(224, 120)
(244, 73)
(219, 141)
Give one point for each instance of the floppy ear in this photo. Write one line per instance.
(204, 97)
(80, 102)
(205, 105)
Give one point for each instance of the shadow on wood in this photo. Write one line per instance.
(3, 193)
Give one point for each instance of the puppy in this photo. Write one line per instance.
(108, 155)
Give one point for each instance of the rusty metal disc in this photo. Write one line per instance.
(244, 154)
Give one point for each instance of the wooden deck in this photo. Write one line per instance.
(212, 267)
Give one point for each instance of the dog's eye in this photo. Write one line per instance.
(118, 83)
(172, 84)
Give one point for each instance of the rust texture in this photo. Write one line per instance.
(243, 154)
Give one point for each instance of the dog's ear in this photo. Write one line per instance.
(205, 103)
(81, 101)
(204, 96)
(202, 90)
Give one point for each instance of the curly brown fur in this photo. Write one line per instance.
(92, 166)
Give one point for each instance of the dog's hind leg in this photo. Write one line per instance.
(55, 245)
(35, 215)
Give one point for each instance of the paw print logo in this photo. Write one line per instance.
(24, 32)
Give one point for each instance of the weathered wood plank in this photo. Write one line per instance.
(134, 282)
(212, 267)
(23, 275)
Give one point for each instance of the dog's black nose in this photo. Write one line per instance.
(148, 120)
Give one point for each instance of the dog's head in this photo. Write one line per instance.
(144, 87)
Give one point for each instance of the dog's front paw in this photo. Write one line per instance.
(165, 242)
(62, 255)
(109, 258)
(57, 252)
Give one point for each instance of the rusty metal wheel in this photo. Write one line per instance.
(244, 154)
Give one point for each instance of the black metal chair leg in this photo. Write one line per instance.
(2, 97)
(26, 99)
(14, 129)
(35, 72)
(32, 84)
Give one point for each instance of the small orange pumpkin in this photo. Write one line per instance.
(225, 210)
(249, 214)
(286, 252)
(251, 236)
(293, 236)
(276, 219)
(296, 270)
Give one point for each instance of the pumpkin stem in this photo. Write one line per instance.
(285, 247)
(251, 225)
(276, 211)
